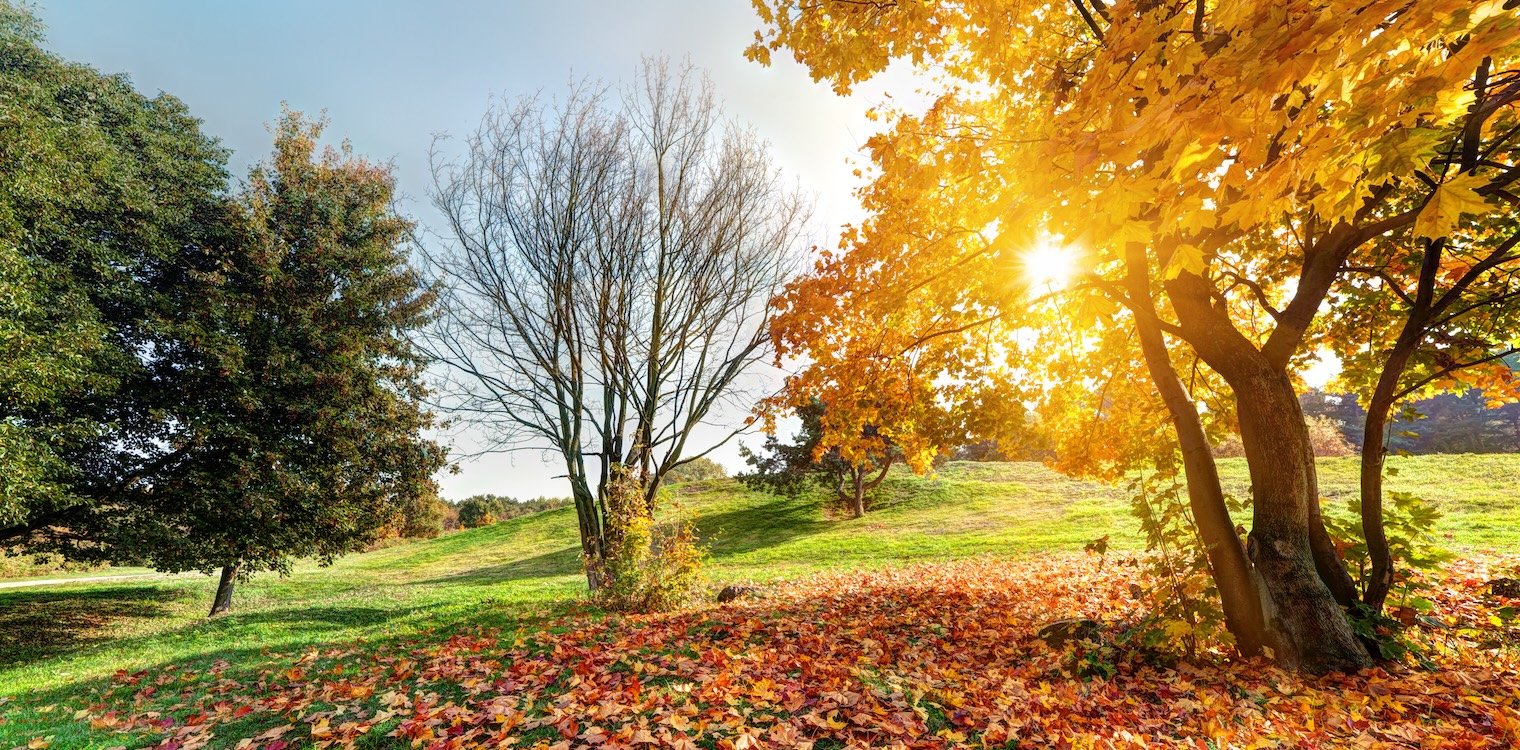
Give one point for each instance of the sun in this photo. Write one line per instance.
(1049, 266)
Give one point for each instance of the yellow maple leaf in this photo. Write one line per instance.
(1185, 258)
(1448, 203)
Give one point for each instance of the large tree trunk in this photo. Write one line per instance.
(1307, 627)
(223, 601)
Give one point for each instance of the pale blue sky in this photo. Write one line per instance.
(391, 74)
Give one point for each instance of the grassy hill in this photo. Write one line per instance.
(517, 574)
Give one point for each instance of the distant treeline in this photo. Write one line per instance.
(1447, 423)
(484, 510)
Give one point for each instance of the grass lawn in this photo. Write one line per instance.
(64, 647)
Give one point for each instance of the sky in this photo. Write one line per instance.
(391, 75)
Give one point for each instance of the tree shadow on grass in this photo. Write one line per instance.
(313, 618)
(560, 562)
(777, 521)
(203, 675)
(774, 522)
(37, 624)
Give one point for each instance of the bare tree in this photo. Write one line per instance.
(607, 279)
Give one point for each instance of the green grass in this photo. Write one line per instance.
(57, 642)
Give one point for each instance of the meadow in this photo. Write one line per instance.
(70, 654)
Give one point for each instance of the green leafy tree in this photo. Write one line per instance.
(302, 421)
(791, 468)
(107, 200)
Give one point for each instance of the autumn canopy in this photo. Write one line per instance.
(1141, 220)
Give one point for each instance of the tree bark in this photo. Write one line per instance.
(588, 514)
(1374, 452)
(858, 498)
(223, 601)
(1327, 559)
(1307, 627)
(1227, 557)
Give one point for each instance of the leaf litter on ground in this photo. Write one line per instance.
(924, 656)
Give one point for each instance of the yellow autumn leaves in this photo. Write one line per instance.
(1450, 201)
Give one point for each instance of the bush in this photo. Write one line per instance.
(645, 569)
(423, 517)
(1326, 437)
(1180, 609)
(1409, 522)
(478, 511)
(696, 470)
(1324, 434)
(15, 564)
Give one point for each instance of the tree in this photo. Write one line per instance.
(302, 420)
(107, 199)
(607, 280)
(1205, 172)
(791, 468)
(1436, 309)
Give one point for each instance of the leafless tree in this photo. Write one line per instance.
(607, 275)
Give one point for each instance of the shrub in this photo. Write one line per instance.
(15, 564)
(1324, 434)
(696, 470)
(645, 568)
(1181, 610)
(422, 518)
(1326, 437)
(479, 510)
(1409, 522)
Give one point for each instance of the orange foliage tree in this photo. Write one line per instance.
(1210, 170)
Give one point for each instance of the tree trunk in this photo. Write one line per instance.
(1374, 452)
(589, 517)
(1307, 627)
(223, 601)
(859, 501)
(1327, 559)
(1228, 563)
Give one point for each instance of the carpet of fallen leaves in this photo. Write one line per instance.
(926, 656)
